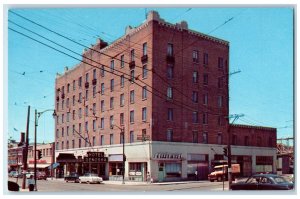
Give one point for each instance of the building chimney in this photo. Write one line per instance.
(22, 140)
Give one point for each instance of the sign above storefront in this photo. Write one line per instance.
(95, 157)
(168, 156)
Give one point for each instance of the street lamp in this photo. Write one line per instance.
(37, 116)
(123, 140)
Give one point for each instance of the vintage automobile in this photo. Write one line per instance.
(90, 178)
(73, 177)
(263, 182)
(15, 174)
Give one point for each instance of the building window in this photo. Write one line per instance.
(219, 138)
(195, 117)
(87, 77)
(102, 140)
(122, 61)
(73, 129)
(145, 71)
(205, 118)
(73, 144)
(67, 146)
(122, 100)
(57, 133)
(195, 77)
(94, 140)
(102, 71)
(86, 141)
(121, 138)
(144, 114)
(62, 104)
(73, 100)
(169, 135)
(195, 56)
(122, 81)
(80, 98)
(112, 66)
(144, 133)
(94, 91)
(57, 119)
(132, 76)
(205, 138)
(57, 145)
(220, 101)
(102, 88)
(205, 58)
(94, 109)
(68, 116)
(132, 96)
(205, 79)
(170, 93)
(86, 126)
(246, 141)
(205, 99)
(68, 88)
(94, 125)
(86, 110)
(132, 55)
(111, 103)
(195, 136)
(102, 123)
(220, 63)
(73, 115)
(94, 74)
(170, 49)
(121, 118)
(86, 95)
(80, 82)
(144, 48)
(79, 127)
(67, 130)
(102, 106)
(111, 139)
(111, 121)
(195, 97)
(62, 145)
(131, 136)
(112, 85)
(170, 114)
(170, 71)
(79, 143)
(144, 92)
(131, 117)
(62, 118)
(74, 85)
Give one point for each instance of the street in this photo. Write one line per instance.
(61, 186)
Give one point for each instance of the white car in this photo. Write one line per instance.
(90, 178)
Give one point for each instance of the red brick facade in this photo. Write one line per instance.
(194, 66)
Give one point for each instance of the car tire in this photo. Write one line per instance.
(67, 181)
(80, 181)
(211, 180)
(88, 182)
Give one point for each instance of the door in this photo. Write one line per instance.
(161, 172)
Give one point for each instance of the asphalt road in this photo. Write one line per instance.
(59, 186)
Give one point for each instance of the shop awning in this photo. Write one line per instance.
(39, 166)
(53, 166)
(66, 157)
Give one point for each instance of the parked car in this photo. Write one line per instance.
(90, 178)
(14, 174)
(263, 182)
(74, 177)
(28, 174)
(13, 186)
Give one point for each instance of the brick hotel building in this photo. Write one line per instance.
(167, 86)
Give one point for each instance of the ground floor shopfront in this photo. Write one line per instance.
(161, 161)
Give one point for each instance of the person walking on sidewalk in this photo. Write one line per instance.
(196, 175)
(31, 183)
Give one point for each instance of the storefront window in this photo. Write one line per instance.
(173, 169)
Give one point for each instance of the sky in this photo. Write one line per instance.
(261, 48)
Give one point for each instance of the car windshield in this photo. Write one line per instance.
(94, 175)
(279, 180)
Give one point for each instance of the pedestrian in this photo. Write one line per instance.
(31, 183)
(196, 175)
(148, 177)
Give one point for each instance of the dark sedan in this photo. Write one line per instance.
(73, 177)
(263, 182)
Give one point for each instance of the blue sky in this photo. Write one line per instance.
(261, 47)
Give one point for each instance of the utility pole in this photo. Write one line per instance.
(25, 150)
(35, 126)
(236, 116)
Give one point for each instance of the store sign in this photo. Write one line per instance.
(135, 173)
(168, 156)
(95, 157)
(37, 161)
